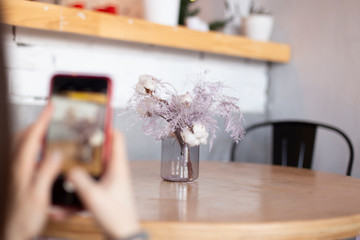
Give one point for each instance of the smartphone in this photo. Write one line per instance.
(79, 129)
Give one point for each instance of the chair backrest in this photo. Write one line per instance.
(293, 143)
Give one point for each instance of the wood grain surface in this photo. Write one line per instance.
(58, 18)
(237, 201)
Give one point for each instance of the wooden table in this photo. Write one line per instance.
(237, 201)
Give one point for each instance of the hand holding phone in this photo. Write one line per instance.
(111, 199)
(79, 129)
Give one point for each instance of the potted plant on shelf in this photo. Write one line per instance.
(183, 121)
(186, 11)
(188, 16)
(259, 24)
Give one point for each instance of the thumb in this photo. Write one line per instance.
(47, 172)
(85, 186)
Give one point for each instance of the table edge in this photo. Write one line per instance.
(332, 228)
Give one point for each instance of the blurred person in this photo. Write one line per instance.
(25, 183)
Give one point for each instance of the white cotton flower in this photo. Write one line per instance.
(189, 138)
(149, 82)
(203, 140)
(140, 88)
(186, 98)
(146, 82)
(200, 130)
(201, 133)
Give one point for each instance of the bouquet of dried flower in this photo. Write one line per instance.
(191, 117)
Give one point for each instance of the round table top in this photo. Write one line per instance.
(247, 201)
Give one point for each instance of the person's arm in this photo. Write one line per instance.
(32, 182)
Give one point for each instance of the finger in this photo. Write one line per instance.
(48, 170)
(40, 126)
(118, 165)
(30, 147)
(85, 186)
(18, 138)
(17, 142)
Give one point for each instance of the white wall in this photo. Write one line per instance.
(321, 83)
(33, 56)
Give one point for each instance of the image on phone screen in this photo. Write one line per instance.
(77, 128)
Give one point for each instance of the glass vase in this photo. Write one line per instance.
(179, 161)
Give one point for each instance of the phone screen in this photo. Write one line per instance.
(78, 125)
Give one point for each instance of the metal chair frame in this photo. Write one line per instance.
(293, 143)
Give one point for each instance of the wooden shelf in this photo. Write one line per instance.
(71, 20)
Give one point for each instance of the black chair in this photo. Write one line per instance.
(293, 143)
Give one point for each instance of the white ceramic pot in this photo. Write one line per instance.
(258, 26)
(196, 23)
(162, 11)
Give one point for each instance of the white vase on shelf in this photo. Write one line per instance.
(164, 12)
(197, 24)
(258, 26)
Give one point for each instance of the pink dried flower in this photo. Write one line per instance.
(192, 115)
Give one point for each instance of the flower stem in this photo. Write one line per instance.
(187, 157)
